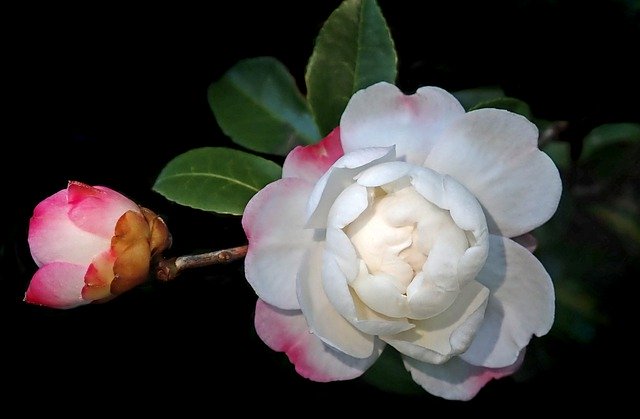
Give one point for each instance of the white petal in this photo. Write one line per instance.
(286, 331)
(274, 224)
(381, 293)
(351, 202)
(494, 154)
(341, 248)
(338, 178)
(381, 115)
(465, 211)
(521, 304)
(347, 303)
(323, 320)
(384, 173)
(455, 379)
(437, 339)
(375, 323)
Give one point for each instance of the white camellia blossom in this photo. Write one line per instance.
(397, 229)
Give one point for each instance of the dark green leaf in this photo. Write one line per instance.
(472, 97)
(389, 374)
(508, 103)
(353, 50)
(623, 220)
(560, 153)
(618, 135)
(215, 179)
(258, 105)
(611, 154)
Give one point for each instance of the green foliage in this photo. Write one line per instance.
(389, 374)
(258, 105)
(215, 179)
(353, 50)
(622, 217)
(609, 135)
(507, 103)
(469, 98)
(560, 153)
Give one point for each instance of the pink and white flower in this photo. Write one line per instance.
(91, 243)
(398, 229)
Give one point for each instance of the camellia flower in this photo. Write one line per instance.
(397, 229)
(91, 244)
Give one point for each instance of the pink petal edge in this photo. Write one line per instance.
(57, 285)
(96, 209)
(287, 331)
(456, 379)
(312, 161)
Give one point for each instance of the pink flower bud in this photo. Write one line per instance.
(91, 244)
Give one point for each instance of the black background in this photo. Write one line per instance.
(108, 94)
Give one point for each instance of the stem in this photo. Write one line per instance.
(168, 269)
(552, 132)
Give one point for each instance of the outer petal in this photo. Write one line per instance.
(96, 209)
(455, 380)
(286, 331)
(311, 162)
(54, 238)
(381, 115)
(494, 153)
(57, 285)
(521, 304)
(274, 224)
(323, 320)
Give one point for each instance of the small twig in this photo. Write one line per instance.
(552, 132)
(168, 269)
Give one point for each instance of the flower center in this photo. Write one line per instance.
(409, 250)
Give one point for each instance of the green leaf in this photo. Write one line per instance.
(623, 220)
(560, 153)
(258, 105)
(469, 98)
(389, 374)
(215, 179)
(353, 50)
(607, 135)
(508, 103)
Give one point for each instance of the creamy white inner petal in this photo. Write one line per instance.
(410, 251)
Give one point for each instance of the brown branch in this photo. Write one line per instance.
(168, 269)
(552, 132)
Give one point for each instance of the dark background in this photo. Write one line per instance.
(109, 94)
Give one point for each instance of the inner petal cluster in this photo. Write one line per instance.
(409, 250)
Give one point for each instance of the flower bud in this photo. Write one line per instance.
(91, 244)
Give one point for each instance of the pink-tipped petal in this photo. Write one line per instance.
(312, 161)
(57, 285)
(274, 224)
(286, 331)
(381, 116)
(456, 379)
(494, 153)
(521, 304)
(96, 209)
(54, 238)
